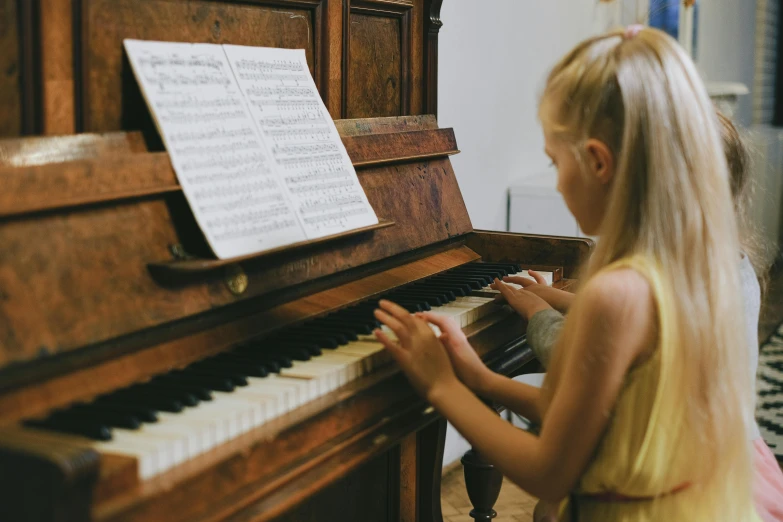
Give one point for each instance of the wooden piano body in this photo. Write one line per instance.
(106, 281)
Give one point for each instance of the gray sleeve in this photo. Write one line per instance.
(543, 330)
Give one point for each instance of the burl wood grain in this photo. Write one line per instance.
(10, 70)
(107, 78)
(375, 83)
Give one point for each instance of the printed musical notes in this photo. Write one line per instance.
(254, 148)
(218, 155)
(302, 139)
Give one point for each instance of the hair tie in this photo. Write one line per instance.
(633, 30)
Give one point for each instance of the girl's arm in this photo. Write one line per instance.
(516, 396)
(611, 329)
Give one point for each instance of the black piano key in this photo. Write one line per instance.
(212, 382)
(86, 428)
(468, 278)
(236, 378)
(473, 284)
(432, 300)
(269, 365)
(145, 390)
(296, 354)
(156, 403)
(203, 393)
(322, 341)
(360, 327)
(487, 272)
(512, 268)
(341, 334)
(284, 361)
(111, 419)
(272, 365)
(458, 289)
(246, 369)
(143, 413)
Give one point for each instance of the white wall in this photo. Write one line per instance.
(726, 46)
(492, 66)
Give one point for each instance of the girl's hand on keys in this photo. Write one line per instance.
(560, 300)
(417, 350)
(468, 366)
(525, 302)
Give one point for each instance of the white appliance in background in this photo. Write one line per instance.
(536, 207)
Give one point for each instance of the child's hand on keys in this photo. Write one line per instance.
(418, 352)
(468, 366)
(525, 302)
(558, 299)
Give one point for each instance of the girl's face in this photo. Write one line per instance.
(584, 185)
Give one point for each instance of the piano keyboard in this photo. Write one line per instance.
(184, 413)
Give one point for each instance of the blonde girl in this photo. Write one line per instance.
(644, 408)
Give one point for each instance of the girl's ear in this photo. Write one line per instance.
(600, 160)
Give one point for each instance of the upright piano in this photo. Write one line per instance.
(141, 379)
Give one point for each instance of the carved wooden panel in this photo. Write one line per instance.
(10, 70)
(109, 96)
(383, 58)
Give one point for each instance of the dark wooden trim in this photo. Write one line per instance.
(432, 441)
(401, 10)
(30, 73)
(432, 25)
(81, 63)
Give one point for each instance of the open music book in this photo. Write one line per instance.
(254, 148)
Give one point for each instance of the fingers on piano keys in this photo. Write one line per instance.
(179, 415)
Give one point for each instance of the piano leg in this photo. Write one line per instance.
(431, 441)
(483, 482)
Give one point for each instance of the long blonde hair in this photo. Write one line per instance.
(670, 202)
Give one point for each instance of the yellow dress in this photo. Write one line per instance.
(645, 455)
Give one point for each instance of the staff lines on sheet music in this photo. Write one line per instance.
(248, 216)
(201, 80)
(281, 91)
(237, 188)
(306, 148)
(323, 187)
(221, 132)
(317, 174)
(256, 230)
(195, 116)
(174, 60)
(310, 160)
(189, 101)
(200, 150)
(275, 65)
(286, 105)
(273, 77)
(317, 133)
(251, 171)
(240, 203)
(226, 162)
(311, 206)
(282, 120)
(335, 216)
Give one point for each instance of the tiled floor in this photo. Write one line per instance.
(514, 505)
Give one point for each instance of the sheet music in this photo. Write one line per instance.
(220, 159)
(302, 139)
